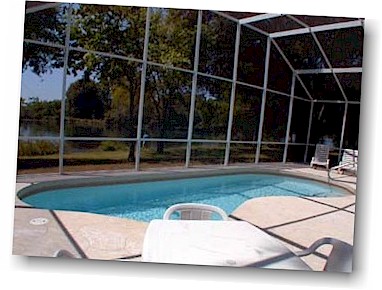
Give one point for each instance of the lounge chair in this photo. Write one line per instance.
(348, 161)
(195, 211)
(340, 258)
(321, 156)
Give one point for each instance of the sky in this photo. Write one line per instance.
(46, 87)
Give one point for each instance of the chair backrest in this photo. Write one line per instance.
(340, 258)
(322, 152)
(195, 211)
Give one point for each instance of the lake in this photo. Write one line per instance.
(51, 128)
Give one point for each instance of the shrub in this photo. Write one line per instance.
(112, 146)
(37, 148)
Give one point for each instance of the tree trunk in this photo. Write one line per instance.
(131, 157)
(160, 147)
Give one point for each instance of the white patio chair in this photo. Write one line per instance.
(340, 258)
(348, 161)
(195, 211)
(321, 156)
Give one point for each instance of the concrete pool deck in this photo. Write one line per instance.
(296, 221)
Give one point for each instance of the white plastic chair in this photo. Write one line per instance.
(321, 156)
(194, 211)
(340, 258)
(349, 161)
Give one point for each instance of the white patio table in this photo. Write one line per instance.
(216, 243)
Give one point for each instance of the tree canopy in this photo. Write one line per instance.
(86, 99)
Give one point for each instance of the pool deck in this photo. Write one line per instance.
(296, 221)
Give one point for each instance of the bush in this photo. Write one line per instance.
(112, 146)
(37, 148)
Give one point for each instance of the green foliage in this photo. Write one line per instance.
(86, 99)
(37, 148)
(47, 25)
(112, 146)
(123, 109)
(172, 37)
(217, 45)
(36, 109)
(116, 29)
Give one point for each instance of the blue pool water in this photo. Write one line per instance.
(148, 200)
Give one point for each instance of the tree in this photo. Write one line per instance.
(86, 99)
(168, 91)
(46, 26)
(35, 109)
(119, 30)
(217, 45)
(166, 105)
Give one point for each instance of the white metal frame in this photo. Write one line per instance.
(287, 135)
(63, 93)
(233, 93)
(193, 90)
(318, 28)
(258, 18)
(264, 99)
(248, 22)
(41, 7)
(142, 92)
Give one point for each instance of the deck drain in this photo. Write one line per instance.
(38, 221)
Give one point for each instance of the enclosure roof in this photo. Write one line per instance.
(333, 55)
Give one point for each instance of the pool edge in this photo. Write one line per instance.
(169, 175)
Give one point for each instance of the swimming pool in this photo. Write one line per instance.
(145, 201)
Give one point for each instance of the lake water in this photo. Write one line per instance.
(51, 128)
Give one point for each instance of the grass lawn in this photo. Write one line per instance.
(173, 156)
